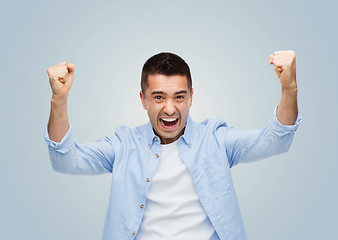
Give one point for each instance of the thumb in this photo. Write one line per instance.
(278, 71)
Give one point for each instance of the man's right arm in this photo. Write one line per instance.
(66, 156)
(61, 78)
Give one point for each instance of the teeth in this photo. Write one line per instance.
(169, 119)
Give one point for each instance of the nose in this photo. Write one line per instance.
(169, 108)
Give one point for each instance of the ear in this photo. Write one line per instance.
(143, 100)
(192, 92)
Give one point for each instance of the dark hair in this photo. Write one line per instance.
(165, 63)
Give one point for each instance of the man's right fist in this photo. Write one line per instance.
(61, 78)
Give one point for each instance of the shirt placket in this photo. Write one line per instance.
(155, 148)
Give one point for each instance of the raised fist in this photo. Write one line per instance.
(61, 78)
(285, 67)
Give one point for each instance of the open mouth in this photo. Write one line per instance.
(169, 122)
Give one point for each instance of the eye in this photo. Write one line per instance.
(180, 97)
(158, 97)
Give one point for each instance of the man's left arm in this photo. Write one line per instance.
(285, 68)
(276, 137)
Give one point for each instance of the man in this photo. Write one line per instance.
(171, 177)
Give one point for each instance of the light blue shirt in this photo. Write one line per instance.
(209, 149)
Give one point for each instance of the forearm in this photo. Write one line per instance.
(285, 68)
(58, 123)
(287, 111)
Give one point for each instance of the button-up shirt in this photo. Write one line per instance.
(209, 149)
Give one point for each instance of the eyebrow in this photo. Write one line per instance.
(160, 92)
(156, 92)
(181, 92)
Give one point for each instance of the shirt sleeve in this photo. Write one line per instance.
(244, 146)
(69, 157)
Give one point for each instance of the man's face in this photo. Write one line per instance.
(167, 100)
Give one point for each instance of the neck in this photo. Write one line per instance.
(170, 140)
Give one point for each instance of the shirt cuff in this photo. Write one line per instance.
(286, 128)
(64, 145)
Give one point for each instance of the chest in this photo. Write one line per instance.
(136, 167)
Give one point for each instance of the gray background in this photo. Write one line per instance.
(226, 44)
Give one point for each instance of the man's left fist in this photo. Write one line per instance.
(285, 67)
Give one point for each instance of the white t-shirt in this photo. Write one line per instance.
(173, 210)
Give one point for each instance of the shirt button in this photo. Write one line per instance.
(134, 232)
(148, 180)
(149, 144)
(142, 206)
(157, 155)
(190, 144)
(156, 138)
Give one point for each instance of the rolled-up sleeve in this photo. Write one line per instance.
(244, 146)
(69, 157)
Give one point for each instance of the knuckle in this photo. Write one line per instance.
(293, 53)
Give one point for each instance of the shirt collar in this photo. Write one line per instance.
(188, 132)
(187, 137)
